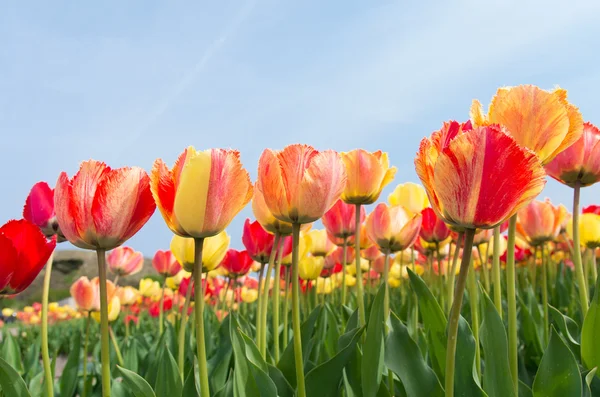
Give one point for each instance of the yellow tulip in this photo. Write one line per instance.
(149, 287)
(393, 282)
(28, 309)
(320, 243)
(396, 271)
(411, 196)
(368, 173)
(213, 251)
(7, 312)
(324, 285)
(173, 282)
(350, 280)
(419, 269)
(303, 249)
(310, 267)
(249, 295)
(114, 308)
(589, 230)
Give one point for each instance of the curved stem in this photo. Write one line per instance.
(48, 378)
(104, 337)
(455, 312)
(199, 309)
(116, 347)
(161, 311)
(182, 326)
(265, 297)
(85, 355)
(259, 306)
(359, 284)
(296, 313)
(345, 260)
(484, 269)
(583, 294)
(386, 309)
(496, 272)
(544, 249)
(474, 303)
(286, 309)
(416, 308)
(440, 274)
(276, 299)
(452, 273)
(511, 299)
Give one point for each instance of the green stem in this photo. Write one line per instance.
(416, 308)
(223, 304)
(511, 299)
(344, 259)
(484, 269)
(160, 309)
(359, 285)
(386, 309)
(199, 306)
(474, 303)
(593, 265)
(104, 337)
(286, 309)
(583, 294)
(496, 272)
(296, 312)
(544, 249)
(259, 306)
(265, 300)
(455, 312)
(182, 326)
(440, 274)
(276, 306)
(452, 272)
(85, 355)
(116, 346)
(48, 378)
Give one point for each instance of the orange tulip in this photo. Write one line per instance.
(393, 228)
(540, 222)
(580, 162)
(100, 207)
(265, 217)
(477, 178)
(82, 292)
(203, 191)
(299, 184)
(543, 121)
(124, 261)
(368, 173)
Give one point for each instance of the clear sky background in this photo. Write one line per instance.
(127, 83)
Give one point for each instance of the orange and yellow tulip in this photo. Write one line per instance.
(368, 173)
(411, 196)
(540, 221)
(393, 228)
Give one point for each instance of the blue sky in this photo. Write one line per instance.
(127, 83)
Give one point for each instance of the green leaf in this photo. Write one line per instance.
(558, 374)
(131, 355)
(69, 377)
(373, 349)
(464, 376)
(135, 383)
(189, 386)
(226, 391)
(117, 389)
(589, 378)
(11, 382)
(284, 389)
(220, 363)
(324, 380)
(434, 321)
(497, 380)
(287, 363)
(168, 380)
(32, 360)
(403, 357)
(11, 352)
(590, 343)
(524, 390)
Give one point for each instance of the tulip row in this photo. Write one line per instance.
(349, 333)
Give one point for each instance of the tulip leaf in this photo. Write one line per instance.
(587, 385)
(403, 357)
(434, 321)
(168, 380)
(11, 352)
(69, 377)
(590, 343)
(325, 379)
(558, 373)
(190, 388)
(373, 350)
(465, 383)
(284, 389)
(497, 379)
(11, 382)
(524, 390)
(135, 383)
(131, 355)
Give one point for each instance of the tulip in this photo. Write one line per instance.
(393, 229)
(589, 230)
(258, 242)
(463, 170)
(149, 288)
(213, 251)
(540, 222)
(124, 261)
(311, 267)
(82, 292)
(433, 229)
(265, 217)
(165, 263)
(24, 251)
(39, 210)
(127, 295)
(340, 220)
(370, 253)
(114, 309)
(320, 243)
(411, 196)
(237, 263)
(249, 295)
(299, 184)
(593, 209)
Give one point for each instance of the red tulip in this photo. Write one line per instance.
(370, 253)
(100, 207)
(340, 220)
(237, 263)
(337, 257)
(39, 210)
(327, 272)
(433, 229)
(24, 250)
(165, 263)
(593, 209)
(259, 242)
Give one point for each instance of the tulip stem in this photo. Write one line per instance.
(160, 312)
(440, 274)
(296, 312)
(104, 336)
(199, 306)
(474, 303)
(359, 284)
(583, 294)
(496, 272)
(85, 355)
(452, 272)
(48, 378)
(455, 312)
(386, 309)
(344, 259)
(265, 298)
(276, 308)
(259, 306)
(511, 299)
(182, 326)
(545, 291)
(116, 346)
(286, 308)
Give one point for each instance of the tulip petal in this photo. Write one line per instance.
(67, 212)
(83, 190)
(575, 122)
(8, 261)
(39, 206)
(271, 186)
